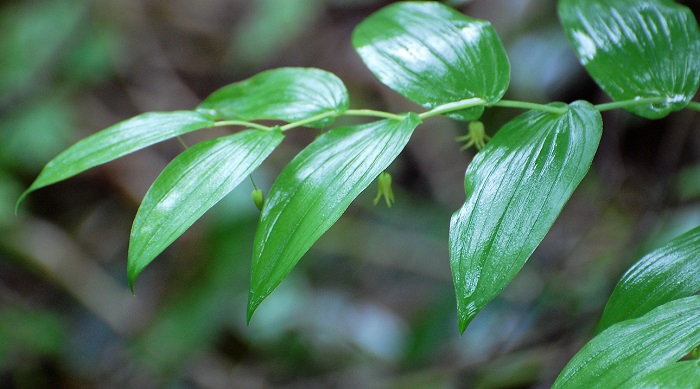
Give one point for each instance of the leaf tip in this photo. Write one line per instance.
(26, 193)
(253, 304)
(133, 272)
(21, 199)
(255, 298)
(467, 312)
(462, 328)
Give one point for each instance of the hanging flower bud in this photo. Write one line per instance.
(385, 190)
(258, 198)
(476, 136)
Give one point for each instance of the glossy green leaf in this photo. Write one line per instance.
(635, 348)
(680, 375)
(314, 190)
(516, 186)
(434, 55)
(288, 94)
(118, 140)
(637, 49)
(666, 274)
(191, 184)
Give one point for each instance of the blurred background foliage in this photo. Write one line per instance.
(372, 304)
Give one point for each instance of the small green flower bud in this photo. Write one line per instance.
(258, 198)
(385, 190)
(476, 137)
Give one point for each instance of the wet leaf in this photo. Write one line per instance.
(680, 375)
(434, 55)
(635, 348)
(637, 49)
(516, 186)
(314, 190)
(663, 275)
(189, 186)
(118, 140)
(288, 94)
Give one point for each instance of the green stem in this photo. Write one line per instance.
(630, 103)
(694, 105)
(454, 106)
(535, 106)
(315, 118)
(371, 112)
(242, 123)
(182, 142)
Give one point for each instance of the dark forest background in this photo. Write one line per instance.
(372, 304)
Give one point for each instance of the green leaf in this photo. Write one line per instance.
(516, 186)
(50, 29)
(635, 348)
(30, 333)
(258, 39)
(191, 184)
(680, 375)
(663, 275)
(637, 49)
(289, 94)
(434, 55)
(314, 190)
(47, 125)
(116, 141)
